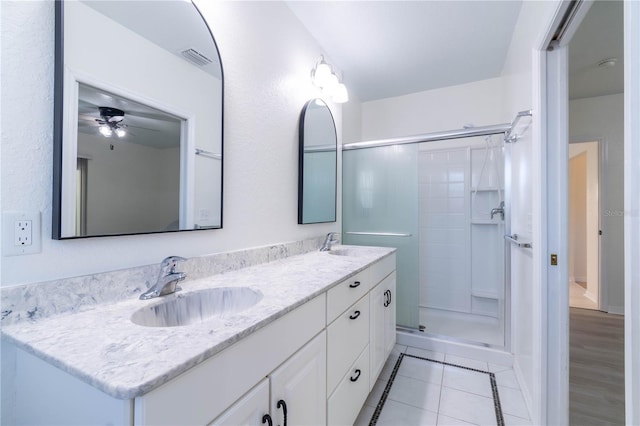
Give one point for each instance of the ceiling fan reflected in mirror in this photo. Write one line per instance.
(111, 122)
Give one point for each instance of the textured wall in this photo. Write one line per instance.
(267, 56)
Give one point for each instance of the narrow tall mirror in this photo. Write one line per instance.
(317, 164)
(138, 119)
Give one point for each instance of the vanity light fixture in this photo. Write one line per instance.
(324, 78)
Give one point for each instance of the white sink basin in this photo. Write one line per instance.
(343, 252)
(198, 306)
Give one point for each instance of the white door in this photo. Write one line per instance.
(298, 387)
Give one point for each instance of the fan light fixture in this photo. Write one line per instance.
(111, 122)
(323, 77)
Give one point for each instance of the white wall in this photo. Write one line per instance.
(149, 205)
(478, 103)
(526, 280)
(602, 118)
(578, 218)
(267, 56)
(591, 244)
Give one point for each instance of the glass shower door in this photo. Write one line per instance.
(380, 208)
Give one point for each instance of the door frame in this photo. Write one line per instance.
(550, 87)
(601, 295)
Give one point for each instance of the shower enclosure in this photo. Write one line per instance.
(442, 204)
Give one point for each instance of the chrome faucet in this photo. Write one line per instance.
(499, 209)
(332, 238)
(168, 279)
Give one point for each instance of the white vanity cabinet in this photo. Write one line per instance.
(383, 324)
(251, 409)
(317, 361)
(297, 390)
(299, 386)
(204, 392)
(352, 322)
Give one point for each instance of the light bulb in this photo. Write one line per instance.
(340, 95)
(321, 74)
(105, 131)
(120, 133)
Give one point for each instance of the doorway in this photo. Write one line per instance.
(559, 114)
(584, 225)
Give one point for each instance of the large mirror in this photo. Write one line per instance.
(317, 164)
(138, 119)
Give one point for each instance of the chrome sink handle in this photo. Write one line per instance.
(168, 279)
(330, 239)
(168, 265)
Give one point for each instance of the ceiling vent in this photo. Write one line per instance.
(196, 57)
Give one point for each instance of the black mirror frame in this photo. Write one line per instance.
(58, 105)
(301, 166)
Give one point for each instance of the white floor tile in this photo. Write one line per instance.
(365, 415)
(515, 421)
(496, 368)
(396, 413)
(512, 402)
(468, 381)
(430, 372)
(375, 394)
(415, 392)
(466, 362)
(437, 356)
(467, 406)
(389, 365)
(450, 421)
(507, 378)
(430, 393)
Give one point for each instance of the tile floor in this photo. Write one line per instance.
(429, 393)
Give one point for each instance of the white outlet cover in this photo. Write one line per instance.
(9, 248)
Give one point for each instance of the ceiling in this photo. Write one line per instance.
(599, 36)
(392, 48)
(144, 125)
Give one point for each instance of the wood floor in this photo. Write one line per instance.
(596, 368)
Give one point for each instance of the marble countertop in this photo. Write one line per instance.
(102, 347)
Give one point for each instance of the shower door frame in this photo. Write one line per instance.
(499, 129)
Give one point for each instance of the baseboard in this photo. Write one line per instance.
(481, 353)
(580, 279)
(589, 295)
(616, 310)
(526, 393)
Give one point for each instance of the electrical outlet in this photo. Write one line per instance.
(20, 233)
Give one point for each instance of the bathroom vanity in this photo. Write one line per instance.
(308, 352)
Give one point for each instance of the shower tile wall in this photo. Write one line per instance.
(461, 254)
(444, 230)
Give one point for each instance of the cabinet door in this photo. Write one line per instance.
(377, 345)
(390, 314)
(249, 410)
(382, 330)
(301, 384)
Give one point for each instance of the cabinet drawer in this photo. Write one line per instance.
(379, 270)
(347, 336)
(340, 297)
(350, 395)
